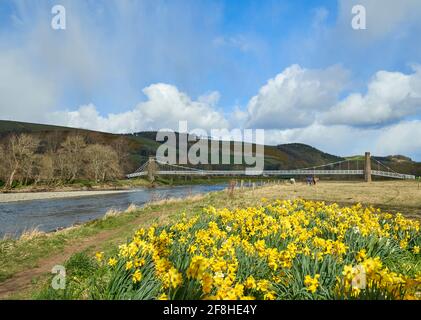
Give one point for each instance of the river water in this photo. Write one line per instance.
(51, 214)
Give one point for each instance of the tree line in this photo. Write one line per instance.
(25, 159)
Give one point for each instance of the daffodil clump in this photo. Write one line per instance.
(283, 250)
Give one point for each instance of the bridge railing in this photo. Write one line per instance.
(393, 175)
(136, 174)
(251, 172)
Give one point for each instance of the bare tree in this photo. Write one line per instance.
(20, 152)
(121, 147)
(71, 156)
(102, 162)
(44, 168)
(53, 141)
(25, 160)
(27, 171)
(60, 166)
(3, 164)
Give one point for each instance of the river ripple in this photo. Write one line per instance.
(51, 214)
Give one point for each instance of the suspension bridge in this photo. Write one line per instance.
(367, 168)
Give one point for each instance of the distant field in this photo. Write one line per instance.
(395, 195)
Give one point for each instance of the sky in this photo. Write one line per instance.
(295, 68)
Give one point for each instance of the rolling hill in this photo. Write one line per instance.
(141, 145)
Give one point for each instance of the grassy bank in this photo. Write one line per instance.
(25, 263)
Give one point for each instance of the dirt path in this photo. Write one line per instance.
(22, 280)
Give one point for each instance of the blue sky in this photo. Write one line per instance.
(294, 68)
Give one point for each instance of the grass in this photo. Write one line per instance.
(210, 181)
(104, 234)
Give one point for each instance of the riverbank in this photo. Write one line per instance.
(80, 185)
(88, 188)
(27, 196)
(25, 263)
(129, 184)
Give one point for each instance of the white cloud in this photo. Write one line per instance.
(336, 139)
(299, 97)
(108, 51)
(295, 97)
(76, 54)
(88, 117)
(298, 105)
(302, 105)
(168, 105)
(164, 108)
(210, 99)
(37, 65)
(399, 138)
(23, 94)
(238, 117)
(391, 96)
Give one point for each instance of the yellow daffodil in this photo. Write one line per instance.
(129, 265)
(312, 283)
(112, 262)
(99, 256)
(137, 276)
(248, 253)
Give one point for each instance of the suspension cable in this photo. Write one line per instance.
(384, 165)
(177, 166)
(324, 165)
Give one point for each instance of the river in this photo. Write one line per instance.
(51, 214)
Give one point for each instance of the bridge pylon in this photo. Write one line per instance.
(367, 167)
(151, 169)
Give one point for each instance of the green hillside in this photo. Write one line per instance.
(139, 146)
(7, 126)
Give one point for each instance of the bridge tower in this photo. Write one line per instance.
(151, 168)
(367, 168)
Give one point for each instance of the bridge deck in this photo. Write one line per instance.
(272, 173)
